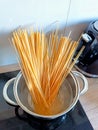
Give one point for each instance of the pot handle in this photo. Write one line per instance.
(5, 92)
(84, 80)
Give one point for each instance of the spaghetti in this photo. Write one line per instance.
(45, 63)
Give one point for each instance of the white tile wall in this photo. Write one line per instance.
(42, 12)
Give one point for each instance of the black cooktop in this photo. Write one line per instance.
(76, 119)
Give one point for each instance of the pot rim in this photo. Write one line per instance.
(45, 116)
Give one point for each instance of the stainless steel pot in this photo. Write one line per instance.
(70, 87)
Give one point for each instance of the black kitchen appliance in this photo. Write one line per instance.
(88, 60)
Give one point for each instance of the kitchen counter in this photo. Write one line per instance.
(89, 102)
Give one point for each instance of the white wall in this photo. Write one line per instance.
(43, 12)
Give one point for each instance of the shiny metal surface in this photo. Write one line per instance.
(22, 99)
(69, 91)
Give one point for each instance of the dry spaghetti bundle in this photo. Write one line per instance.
(45, 63)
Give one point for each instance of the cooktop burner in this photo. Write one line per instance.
(10, 119)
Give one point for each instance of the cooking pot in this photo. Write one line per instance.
(70, 87)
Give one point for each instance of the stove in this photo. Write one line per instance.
(13, 118)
